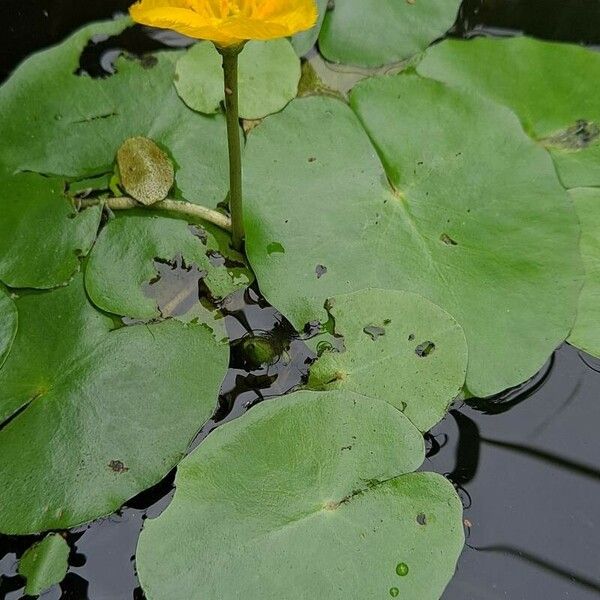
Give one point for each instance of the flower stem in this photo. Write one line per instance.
(230, 70)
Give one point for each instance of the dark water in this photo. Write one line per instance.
(525, 463)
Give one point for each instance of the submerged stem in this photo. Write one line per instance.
(179, 206)
(230, 70)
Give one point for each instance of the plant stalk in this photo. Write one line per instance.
(230, 70)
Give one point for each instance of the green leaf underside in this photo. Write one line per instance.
(372, 33)
(385, 335)
(42, 237)
(122, 264)
(586, 332)
(304, 41)
(44, 564)
(78, 123)
(93, 409)
(310, 496)
(8, 324)
(552, 87)
(466, 179)
(269, 73)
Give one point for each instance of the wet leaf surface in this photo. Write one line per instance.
(586, 331)
(269, 73)
(44, 564)
(457, 165)
(311, 496)
(123, 263)
(8, 324)
(372, 33)
(381, 332)
(550, 86)
(87, 412)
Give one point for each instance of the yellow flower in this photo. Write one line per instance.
(228, 22)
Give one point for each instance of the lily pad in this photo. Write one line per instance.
(87, 412)
(449, 224)
(8, 324)
(88, 119)
(124, 263)
(397, 347)
(42, 237)
(310, 496)
(586, 332)
(269, 73)
(44, 564)
(146, 172)
(550, 86)
(372, 33)
(304, 41)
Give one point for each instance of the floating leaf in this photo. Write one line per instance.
(462, 171)
(44, 564)
(382, 332)
(372, 33)
(8, 324)
(146, 172)
(42, 237)
(124, 263)
(586, 332)
(90, 416)
(310, 496)
(77, 123)
(551, 87)
(304, 41)
(269, 73)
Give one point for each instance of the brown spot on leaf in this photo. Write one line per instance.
(117, 466)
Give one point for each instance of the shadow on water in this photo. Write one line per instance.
(523, 462)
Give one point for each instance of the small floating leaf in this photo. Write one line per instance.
(316, 488)
(552, 88)
(91, 416)
(123, 263)
(269, 73)
(8, 324)
(389, 369)
(372, 33)
(44, 564)
(147, 173)
(586, 331)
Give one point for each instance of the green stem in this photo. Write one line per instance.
(230, 71)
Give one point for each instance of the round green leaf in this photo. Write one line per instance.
(124, 263)
(304, 41)
(551, 87)
(310, 496)
(44, 564)
(90, 416)
(42, 237)
(77, 123)
(372, 33)
(269, 73)
(397, 347)
(8, 324)
(475, 218)
(146, 172)
(586, 332)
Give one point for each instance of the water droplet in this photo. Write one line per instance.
(374, 331)
(275, 248)
(425, 349)
(402, 569)
(394, 592)
(421, 519)
(320, 270)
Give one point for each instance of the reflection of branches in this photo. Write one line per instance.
(544, 565)
(553, 459)
(503, 402)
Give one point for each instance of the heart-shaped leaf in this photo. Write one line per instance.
(372, 33)
(473, 218)
(269, 73)
(44, 564)
(90, 416)
(397, 347)
(310, 496)
(551, 87)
